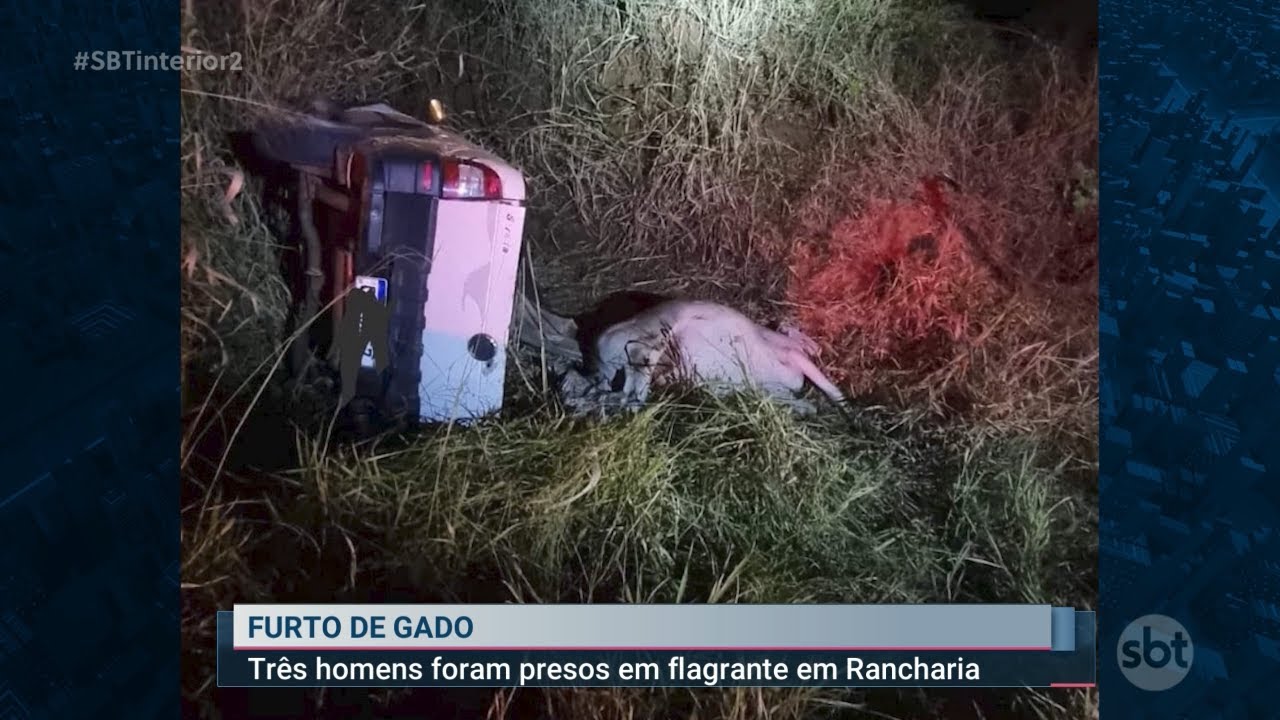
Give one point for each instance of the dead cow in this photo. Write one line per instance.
(708, 344)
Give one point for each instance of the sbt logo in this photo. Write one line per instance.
(1155, 652)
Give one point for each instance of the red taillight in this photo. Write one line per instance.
(492, 185)
(428, 176)
(469, 180)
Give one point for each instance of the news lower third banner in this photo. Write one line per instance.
(656, 646)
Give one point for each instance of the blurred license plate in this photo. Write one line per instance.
(378, 284)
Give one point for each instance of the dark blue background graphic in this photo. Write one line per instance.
(89, 561)
(1190, 391)
(996, 668)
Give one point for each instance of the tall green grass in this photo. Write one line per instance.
(672, 126)
(693, 499)
(697, 500)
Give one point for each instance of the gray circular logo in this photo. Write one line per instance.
(1155, 652)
